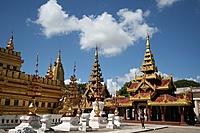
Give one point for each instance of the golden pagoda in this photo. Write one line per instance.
(18, 89)
(58, 70)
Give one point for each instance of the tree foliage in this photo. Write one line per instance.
(123, 91)
(186, 83)
(81, 87)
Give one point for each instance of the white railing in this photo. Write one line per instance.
(11, 121)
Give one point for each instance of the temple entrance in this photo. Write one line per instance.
(144, 107)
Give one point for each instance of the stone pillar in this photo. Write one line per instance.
(163, 113)
(124, 109)
(128, 114)
(182, 114)
(110, 121)
(196, 107)
(85, 123)
(149, 113)
(136, 113)
(46, 123)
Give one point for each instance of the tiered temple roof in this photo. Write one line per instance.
(95, 88)
(151, 86)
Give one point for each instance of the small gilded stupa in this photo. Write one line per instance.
(10, 45)
(49, 74)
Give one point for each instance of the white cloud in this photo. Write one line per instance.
(77, 81)
(165, 3)
(198, 77)
(54, 20)
(112, 86)
(162, 74)
(112, 36)
(195, 80)
(106, 32)
(176, 79)
(129, 76)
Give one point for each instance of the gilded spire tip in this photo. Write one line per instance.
(36, 70)
(147, 42)
(10, 45)
(74, 68)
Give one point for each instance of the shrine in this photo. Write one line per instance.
(156, 94)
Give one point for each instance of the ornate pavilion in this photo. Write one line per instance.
(156, 94)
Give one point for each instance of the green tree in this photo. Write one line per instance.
(186, 83)
(81, 87)
(123, 91)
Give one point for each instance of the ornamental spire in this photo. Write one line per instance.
(36, 70)
(58, 58)
(58, 71)
(10, 45)
(96, 52)
(148, 65)
(49, 74)
(96, 74)
(74, 68)
(147, 42)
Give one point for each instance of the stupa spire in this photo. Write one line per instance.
(148, 65)
(49, 74)
(58, 58)
(10, 45)
(147, 42)
(74, 71)
(96, 74)
(58, 71)
(36, 69)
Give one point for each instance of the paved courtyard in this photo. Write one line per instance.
(150, 128)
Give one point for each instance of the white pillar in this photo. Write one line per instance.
(127, 114)
(196, 105)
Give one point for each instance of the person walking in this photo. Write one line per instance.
(142, 117)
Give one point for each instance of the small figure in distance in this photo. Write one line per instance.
(142, 117)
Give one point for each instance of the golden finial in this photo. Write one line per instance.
(116, 84)
(36, 70)
(148, 42)
(74, 68)
(96, 52)
(49, 74)
(58, 59)
(10, 45)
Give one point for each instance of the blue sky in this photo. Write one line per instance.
(118, 28)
